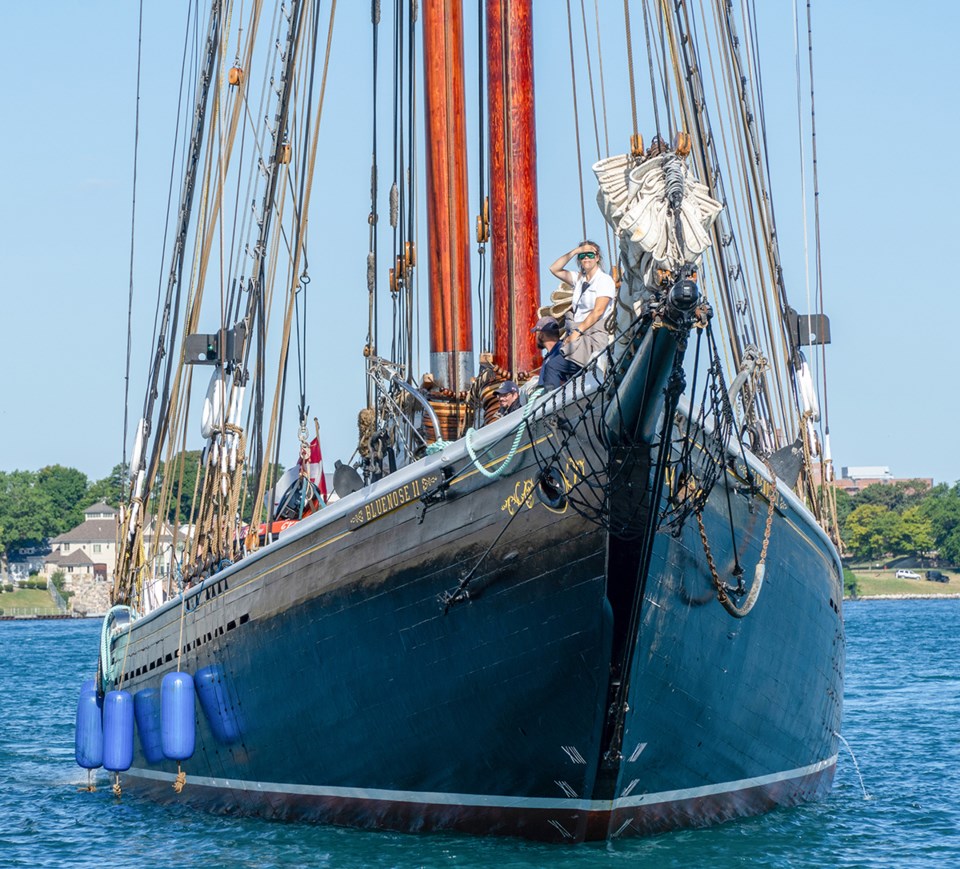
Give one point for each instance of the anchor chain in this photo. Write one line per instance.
(723, 590)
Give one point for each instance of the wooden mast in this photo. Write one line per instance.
(513, 184)
(451, 321)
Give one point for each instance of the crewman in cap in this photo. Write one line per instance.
(509, 396)
(557, 369)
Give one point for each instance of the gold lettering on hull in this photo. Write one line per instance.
(522, 495)
(391, 501)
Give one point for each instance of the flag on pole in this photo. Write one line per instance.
(315, 471)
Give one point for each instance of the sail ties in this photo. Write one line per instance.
(673, 178)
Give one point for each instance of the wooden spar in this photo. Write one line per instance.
(513, 184)
(451, 320)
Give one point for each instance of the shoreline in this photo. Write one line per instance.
(903, 597)
(50, 617)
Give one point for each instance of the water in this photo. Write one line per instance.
(902, 720)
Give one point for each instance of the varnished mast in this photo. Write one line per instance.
(451, 321)
(513, 183)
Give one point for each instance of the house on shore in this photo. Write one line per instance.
(23, 560)
(87, 555)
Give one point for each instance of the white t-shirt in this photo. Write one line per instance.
(585, 294)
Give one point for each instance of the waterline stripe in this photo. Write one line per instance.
(492, 800)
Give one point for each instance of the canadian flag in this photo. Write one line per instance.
(316, 467)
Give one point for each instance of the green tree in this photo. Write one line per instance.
(894, 496)
(850, 585)
(915, 531)
(26, 512)
(65, 489)
(870, 531)
(110, 489)
(942, 509)
(845, 505)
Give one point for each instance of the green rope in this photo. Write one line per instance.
(497, 472)
(110, 669)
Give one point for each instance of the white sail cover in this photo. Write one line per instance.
(637, 200)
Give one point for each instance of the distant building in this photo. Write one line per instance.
(95, 537)
(855, 479)
(25, 559)
(87, 555)
(866, 472)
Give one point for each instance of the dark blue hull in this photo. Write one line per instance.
(355, 690)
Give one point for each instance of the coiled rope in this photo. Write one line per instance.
(502, 468)
(110, 669)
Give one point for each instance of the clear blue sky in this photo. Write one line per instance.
(887, 126)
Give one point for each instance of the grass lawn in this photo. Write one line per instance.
(27, 598)
(871, 582)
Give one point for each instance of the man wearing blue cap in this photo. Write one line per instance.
(509, 396)
(557, 369)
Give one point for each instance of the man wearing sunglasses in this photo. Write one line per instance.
(593, 292)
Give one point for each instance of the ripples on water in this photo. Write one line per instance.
(901, 719)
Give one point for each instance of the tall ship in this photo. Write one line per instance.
(577, 597)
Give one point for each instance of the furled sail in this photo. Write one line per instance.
(662, 216)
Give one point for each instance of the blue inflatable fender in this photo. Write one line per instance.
(117, 731)
(146, 711)
(178, 726)
(217, 704)
(89, 727)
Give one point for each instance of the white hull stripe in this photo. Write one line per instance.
(493, 800)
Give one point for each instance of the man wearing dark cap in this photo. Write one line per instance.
(509, 397)
(557, 369)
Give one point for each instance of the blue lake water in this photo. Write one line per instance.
(902, 719)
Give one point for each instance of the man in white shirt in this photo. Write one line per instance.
(593, 292)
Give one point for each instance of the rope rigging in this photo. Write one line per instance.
(372, 344)
(484, 303)
(576, 126)
(732, 269)
(133, 225)
(827, 492)
(221, 487)
(266, 244)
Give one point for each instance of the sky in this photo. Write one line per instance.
(887, 123)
